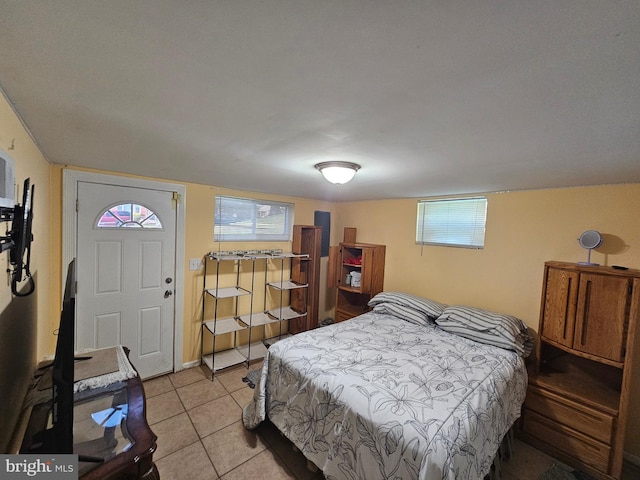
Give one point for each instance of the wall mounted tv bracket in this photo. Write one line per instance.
(18, 240)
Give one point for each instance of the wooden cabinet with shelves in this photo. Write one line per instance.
(305, 269)
(577, 402)
(367, 262)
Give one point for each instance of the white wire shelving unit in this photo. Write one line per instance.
(241, 322)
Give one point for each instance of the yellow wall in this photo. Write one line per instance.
(24, 321)
(29, 162)
(524, 229)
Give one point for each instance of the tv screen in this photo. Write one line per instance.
(59, 439)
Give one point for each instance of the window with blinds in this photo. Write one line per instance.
(247, 219)
(456, 222)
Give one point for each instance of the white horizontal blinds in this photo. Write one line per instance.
(247, 219)
(457, 222)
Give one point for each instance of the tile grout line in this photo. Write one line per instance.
(186, 411)
(269, 446)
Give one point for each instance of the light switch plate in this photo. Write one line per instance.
(195, 264)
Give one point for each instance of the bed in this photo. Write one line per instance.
(392, 394)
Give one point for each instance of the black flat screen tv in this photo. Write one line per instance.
(62, 369)
(59, 437)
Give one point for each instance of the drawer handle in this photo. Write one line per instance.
(585, 315)
(566, 309)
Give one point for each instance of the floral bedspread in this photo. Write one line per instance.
(379, 397)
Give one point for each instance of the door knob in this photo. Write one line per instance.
(168, 293)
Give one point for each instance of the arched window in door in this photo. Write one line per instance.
(128, 215)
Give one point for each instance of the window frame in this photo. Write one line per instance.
(254, 204)
(128, 223)
(466, 210)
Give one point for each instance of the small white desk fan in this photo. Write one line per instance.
(590, 239)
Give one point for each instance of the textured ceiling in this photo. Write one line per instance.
(430, 97)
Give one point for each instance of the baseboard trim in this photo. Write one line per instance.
(191, 364)
(634, 459)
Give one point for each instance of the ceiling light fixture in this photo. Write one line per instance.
(338, 172)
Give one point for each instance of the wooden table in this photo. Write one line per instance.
(109, 423)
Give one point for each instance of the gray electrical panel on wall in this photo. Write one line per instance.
(323, 219)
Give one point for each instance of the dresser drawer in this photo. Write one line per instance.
(571, 442)
(579, 417)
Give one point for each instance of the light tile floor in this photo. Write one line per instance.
(201, 436)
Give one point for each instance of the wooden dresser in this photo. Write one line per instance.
(578, 396)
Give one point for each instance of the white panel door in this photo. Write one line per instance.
(125, 273)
